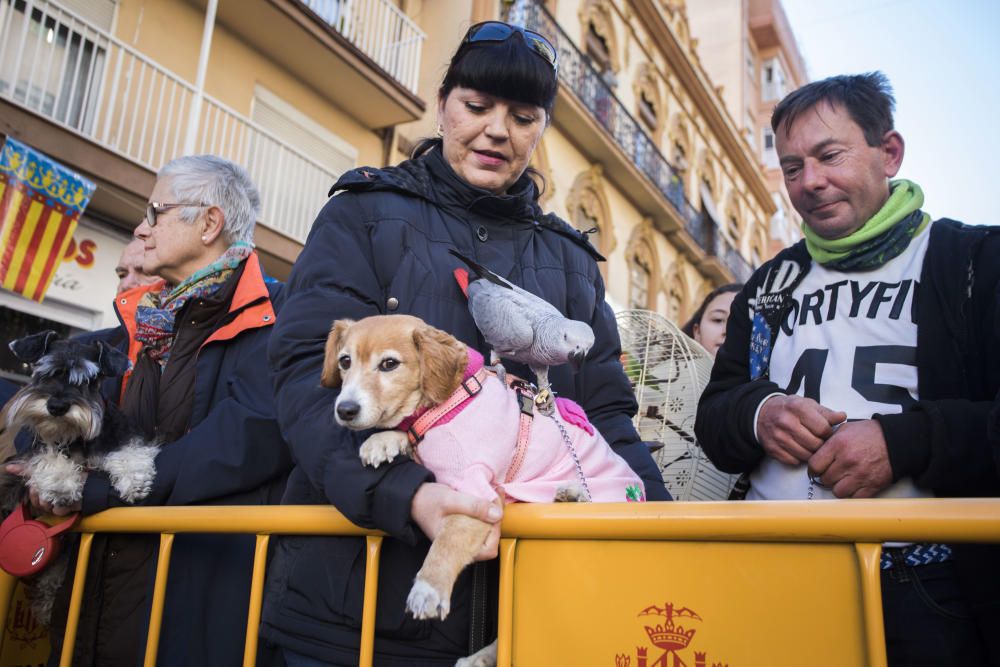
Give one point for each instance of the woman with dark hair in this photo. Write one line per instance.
(381, 247)
(708, 324)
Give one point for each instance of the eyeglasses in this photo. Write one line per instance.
(155, 208)
(498, 31)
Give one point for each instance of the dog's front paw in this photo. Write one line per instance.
(132, 470)
(56, 478)
(571, 493)
(383, 447)
(425, 601)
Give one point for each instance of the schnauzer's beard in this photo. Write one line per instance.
(28, 409)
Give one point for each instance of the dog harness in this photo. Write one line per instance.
(466, 391)
(549, 454)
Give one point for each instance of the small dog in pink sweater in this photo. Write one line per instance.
(476, 433)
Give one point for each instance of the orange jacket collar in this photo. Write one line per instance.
(251, 299)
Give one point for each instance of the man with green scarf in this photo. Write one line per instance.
(862, 362)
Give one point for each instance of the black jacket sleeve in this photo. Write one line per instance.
(334, 278)
(944, 446)
(944, 441)
(724, 424)
(609, 401)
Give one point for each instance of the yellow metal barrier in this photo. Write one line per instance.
(629, 585)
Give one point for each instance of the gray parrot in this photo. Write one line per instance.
(521, 326)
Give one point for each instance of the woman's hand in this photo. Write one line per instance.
(37, 503)
(433, 502)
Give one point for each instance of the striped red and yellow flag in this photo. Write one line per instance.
(40, 204)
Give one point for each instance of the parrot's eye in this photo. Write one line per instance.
(388, 364)
(344, 362)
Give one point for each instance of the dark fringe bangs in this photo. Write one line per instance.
(507, 69)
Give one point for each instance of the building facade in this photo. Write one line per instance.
(298, 91)
(647, 155)
(750, 52)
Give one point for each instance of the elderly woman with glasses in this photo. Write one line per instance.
(198, 383)
(381, 247)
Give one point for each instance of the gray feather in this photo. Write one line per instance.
(522, 327)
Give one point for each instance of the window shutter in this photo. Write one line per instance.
(302, 133)
(99, 12)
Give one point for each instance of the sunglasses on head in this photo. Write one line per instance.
(498, 31)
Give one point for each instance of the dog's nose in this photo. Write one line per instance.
(348, 410)
(57, 407)
(576, 359)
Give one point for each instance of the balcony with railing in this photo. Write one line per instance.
(77, 76)
(363, 55)
(379, 29)
(579, 76)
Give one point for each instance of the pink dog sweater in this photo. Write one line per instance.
(471, 449)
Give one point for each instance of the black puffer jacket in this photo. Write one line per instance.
(382, 247)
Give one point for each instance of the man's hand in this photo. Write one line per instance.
(433, 502)
(791, 428)
(854, 461)
(37, 504)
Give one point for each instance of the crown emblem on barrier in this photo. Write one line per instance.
(669, 636)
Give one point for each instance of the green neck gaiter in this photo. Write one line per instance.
(884, 236)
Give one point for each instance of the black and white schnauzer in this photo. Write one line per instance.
(73, 429)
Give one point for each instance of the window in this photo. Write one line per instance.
(675, 299)
(597, 49)
(770, 157)
(680, 159)
(587, 209)
(52, 63)
(639, 279)
(647, 111)
(772, 80)
(587, 222)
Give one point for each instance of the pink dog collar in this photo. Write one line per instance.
(419, 422)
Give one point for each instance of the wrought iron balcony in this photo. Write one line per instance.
(62, 68)
(378, 29)
(579, 76)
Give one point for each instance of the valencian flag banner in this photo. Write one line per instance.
(40, 203)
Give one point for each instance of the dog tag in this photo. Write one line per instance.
(28, 546)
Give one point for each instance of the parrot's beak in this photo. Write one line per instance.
(576, 360)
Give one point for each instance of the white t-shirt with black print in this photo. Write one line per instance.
(849, 343)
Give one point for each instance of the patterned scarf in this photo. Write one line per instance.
(156, 310)
(880, 239)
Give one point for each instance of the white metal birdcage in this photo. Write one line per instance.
(668, 372)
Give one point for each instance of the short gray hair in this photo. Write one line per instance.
(212, 180)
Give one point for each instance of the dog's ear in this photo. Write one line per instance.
(32, 348)
(331, 367)
(443, 359)
(112, 361)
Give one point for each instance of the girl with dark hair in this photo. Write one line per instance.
(708, 324)
(379, 247)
